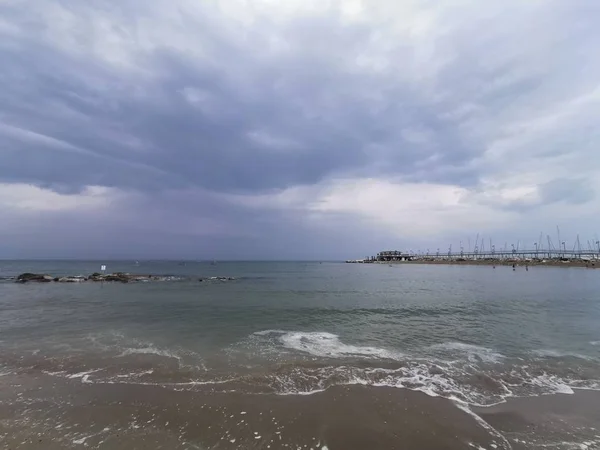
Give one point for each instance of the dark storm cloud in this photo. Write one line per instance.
(148, 133)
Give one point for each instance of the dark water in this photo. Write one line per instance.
(475, 335)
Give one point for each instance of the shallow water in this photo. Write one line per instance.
(472, 334)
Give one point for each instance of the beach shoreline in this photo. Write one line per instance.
(39, 410)
(328, 357)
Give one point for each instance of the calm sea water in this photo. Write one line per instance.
(475, 334)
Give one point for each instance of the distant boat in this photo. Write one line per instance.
(214, 262)
(137, 263)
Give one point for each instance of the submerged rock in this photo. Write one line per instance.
(217, 279)
(73, 279)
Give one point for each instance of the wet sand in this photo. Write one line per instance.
(39, 413)
(567, 421)
(44, 412)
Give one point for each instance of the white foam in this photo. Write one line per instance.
(474, 353)
(83, 375)
(417, 378)
(54, 374)
(300, 392)
(268, 332)
(149, 351)
(323, 344)
(552, 383)
(460, 383)
(136, 374)
(595, 343)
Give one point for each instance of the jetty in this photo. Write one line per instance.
(539, 254)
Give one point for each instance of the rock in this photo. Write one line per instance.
(116, 277)
(141, 278)
(120, 277)
(36, 277)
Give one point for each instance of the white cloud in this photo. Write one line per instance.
(425, 213)
(406, 210)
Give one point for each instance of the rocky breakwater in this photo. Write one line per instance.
(120, 277)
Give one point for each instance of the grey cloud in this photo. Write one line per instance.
(303, 97)
(202, 107)
(574, 191)
(194, 226)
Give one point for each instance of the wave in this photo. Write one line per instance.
(306, 363)
(465, 385)
(120, 345)
(461, 383)
(473, 374)
(329, 345)
(556, 384)
(474, 353)
(549, 353)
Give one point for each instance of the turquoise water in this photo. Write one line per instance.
(433, 328)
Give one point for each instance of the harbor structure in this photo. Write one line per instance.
(538, 252)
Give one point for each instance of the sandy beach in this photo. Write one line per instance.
(43, 412)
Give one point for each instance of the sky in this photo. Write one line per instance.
(295, 129)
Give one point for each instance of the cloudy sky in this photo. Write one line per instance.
(295, 129)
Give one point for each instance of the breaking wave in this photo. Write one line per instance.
(305, 363)
(327, 345)
(472, 374)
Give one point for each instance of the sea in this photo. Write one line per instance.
(300, 355)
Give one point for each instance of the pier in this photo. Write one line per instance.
(549, 253)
